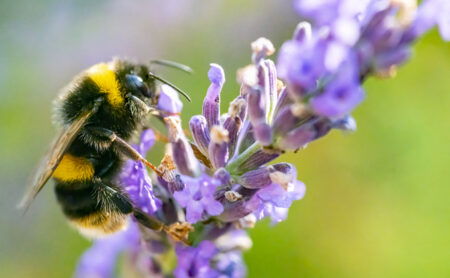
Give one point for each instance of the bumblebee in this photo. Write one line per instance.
(99, 112)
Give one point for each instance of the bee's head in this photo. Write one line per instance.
(138, 83)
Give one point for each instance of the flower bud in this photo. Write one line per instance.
(183, 155)
(223, 176)
(211, 104)
(303, 32)
(218, 147)
(200, 133)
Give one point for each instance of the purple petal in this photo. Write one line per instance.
(342, 94)
(338, 100)
(272, 83)
(222, 176)
(256, 179)
(216, 75)
(298, 137)
(213, 207)
(183, 197)
(232, 125)
(148, 139)
(235, 211)
(194, 211)
(256, 160)
(301, 65)
(303, 32)
(169, 100)
(256, 105)
(263, 133)
(285, 120)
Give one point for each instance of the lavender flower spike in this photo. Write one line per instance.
(207, 200)
(211, 104)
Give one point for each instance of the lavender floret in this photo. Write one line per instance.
(198, 198)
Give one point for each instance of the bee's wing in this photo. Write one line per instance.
(52, 158)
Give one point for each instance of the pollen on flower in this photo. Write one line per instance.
(263, 45)
(299, 109)
(233, 196)
(174, 126)
(167, 163)
(236, 107)
(280, 86)
(180, 231)
(219, 135)
(407, 11)
(281, 178)
(246, 222)
(247, 76)
(390, 72)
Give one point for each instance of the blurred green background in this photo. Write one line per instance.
(377, 202)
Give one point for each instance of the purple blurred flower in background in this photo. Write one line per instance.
(342, 94)
(195, 262)
(100, 259)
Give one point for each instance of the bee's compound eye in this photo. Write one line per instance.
(136, 83)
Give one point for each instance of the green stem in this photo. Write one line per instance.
(241, 158)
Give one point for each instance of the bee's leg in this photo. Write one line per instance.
(178, 231)
(120, 145)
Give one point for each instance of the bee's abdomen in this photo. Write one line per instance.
(94, 214)
(77, 199)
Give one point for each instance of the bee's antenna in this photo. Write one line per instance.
(170, 84)
(174, 65)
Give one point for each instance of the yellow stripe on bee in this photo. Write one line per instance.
(104, 77)
(73, 168)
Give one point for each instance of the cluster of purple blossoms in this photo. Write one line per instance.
(222, 181)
